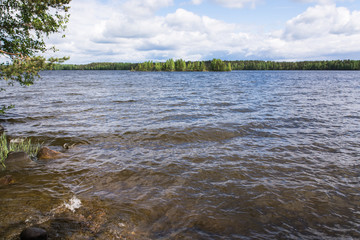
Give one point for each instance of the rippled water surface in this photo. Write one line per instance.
(238, 155)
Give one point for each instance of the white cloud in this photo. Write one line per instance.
(196, 2)
(237, 3)
(323, 20)
(144, 7)
(99, 32)
(323, 2)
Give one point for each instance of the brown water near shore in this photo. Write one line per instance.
(238, 155)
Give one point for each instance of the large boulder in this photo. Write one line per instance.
(33, 233)
(18, 161)
(46, 153)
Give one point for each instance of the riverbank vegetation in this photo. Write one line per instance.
(17, 145)
(215, 65)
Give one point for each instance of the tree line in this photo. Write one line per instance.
(181, 65)
(302, 65)
(96, 66)
(170, 65)
(215, 65)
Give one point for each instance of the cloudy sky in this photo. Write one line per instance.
(141, 30)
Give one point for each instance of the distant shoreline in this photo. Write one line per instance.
(214, 65)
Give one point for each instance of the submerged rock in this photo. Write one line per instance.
(47, 153)
(17, 160)
(33, 233)
(6, 180)
(68, 146)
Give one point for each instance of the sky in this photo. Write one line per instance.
(142, 30)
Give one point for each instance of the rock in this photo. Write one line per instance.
(68, 146)
(33, 233)
(6, 180)
(2, 129)
(17, 161)
(47, 153)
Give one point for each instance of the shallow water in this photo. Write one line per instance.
(238, 155)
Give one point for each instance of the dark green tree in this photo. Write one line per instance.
(190, 66)
(218, 65)
(180, 65)
(23, 26)
(169, 65)
(202, 67)
(158, 66)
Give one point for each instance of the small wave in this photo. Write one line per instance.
(199, 133)
(243, 110)
(124, 101)
(186, 117)
(352, 117)
(223, 104)
(73, 94)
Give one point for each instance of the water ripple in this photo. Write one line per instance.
(238, 155)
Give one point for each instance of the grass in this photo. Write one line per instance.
(24, 145)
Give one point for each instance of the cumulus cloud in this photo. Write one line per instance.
(100, 32)
(237, 3)
(144, 7)
(319, 32)
(323, 20)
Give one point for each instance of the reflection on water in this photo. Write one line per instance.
(238, 155)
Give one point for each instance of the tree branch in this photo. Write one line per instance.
(12, 54)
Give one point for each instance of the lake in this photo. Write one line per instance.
(192, 155)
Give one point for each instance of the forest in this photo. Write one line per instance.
(95, 66)
(215, 65)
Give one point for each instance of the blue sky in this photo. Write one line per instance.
(140, 30)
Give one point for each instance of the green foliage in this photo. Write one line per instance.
(170, 65)
(180, 65)
(23, 26)
(158, 66)
(190, 67)
(216, 65)
(3, 149)
(303, 65)
(95, 66)
(219, 65)
(3, 108)
(23, 145)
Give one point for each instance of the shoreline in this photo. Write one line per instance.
(240, 65)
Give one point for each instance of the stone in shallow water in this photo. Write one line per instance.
(6, 180)
(47, 153)
(18, 161)
(33, 233)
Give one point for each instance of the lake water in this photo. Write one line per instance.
(236, 155)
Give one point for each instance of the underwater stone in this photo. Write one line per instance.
(47, 153)
(18, 160)
(6, 180)
(33, 233)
